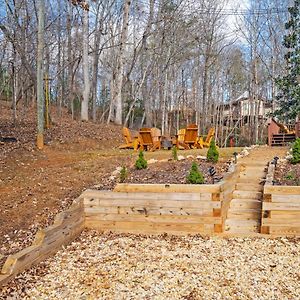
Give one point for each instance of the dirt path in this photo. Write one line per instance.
(35, 187)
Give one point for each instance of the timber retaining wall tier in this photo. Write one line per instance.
(280, 208)
(176, 209)
(160, 208)
(66, 227)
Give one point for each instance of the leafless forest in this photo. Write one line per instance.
(162, 63)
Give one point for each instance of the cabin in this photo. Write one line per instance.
(243, 107)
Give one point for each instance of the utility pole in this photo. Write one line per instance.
(40, 77)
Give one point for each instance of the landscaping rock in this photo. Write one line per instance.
(152, 161)
(201, 157)
(180, 157)
(117, 171)
(244, 153)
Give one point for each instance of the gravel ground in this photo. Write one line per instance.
(124, 266)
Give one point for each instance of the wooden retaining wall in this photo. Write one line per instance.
(67, 226)
(176, 209)
(160, 208)
(281, 208)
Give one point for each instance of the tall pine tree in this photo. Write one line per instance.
(288, 98)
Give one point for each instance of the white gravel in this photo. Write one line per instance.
(119, 266)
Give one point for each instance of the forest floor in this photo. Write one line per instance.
(36, 185)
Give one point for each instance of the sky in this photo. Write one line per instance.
(236, 6)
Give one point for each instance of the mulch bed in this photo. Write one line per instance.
(287, 174)
(167, 172)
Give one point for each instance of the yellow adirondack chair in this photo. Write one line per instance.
(130, 143)
(206, 143)
(187, 138)
(149, 139)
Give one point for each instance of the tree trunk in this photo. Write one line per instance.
(117, 99)
(85, 65)
(40, 90)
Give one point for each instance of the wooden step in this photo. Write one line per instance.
(256, 164)
(244, 214)
(242, 230)
(245, 204)
(249, 187)
(249, 180)
(252, 176)
(257, 173)
(242, 223)
(240, 226)
(246, 194)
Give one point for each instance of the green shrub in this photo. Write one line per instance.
(174, 153)
(123, 174)
(195, 176)
(296, 152)
(213, 153)
(290, 176)
(141, 162)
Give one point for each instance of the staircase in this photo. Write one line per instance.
(282, 139)
(245, 207)
(244, 212)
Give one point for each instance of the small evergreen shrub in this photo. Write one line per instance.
(141, 162)
(195, 176)
(290, 176)
(174, 153)
(296, 152)
(213, 153)
(123, 174)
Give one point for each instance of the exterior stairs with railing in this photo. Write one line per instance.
(283, 139)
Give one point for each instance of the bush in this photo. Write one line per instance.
(296, 152)
(213, 153)
(174, 153)
(290, 176)
(123, 174)
(195, 176)
(141, 162)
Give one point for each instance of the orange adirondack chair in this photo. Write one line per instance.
(149, 139)
(206, 143)
(187, 138)
(130, 143)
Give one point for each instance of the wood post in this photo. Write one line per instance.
(265, 214)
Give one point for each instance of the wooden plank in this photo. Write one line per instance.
(281, 222)
(282, 190)
(67, 226)
(286, 214)
(280, 206)
(284, 230)
(265, 230)
(167, 188)
(149, 196)
(154, 219)
(147, 228)
(154, 203)
(151, 211)
(286, 198)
